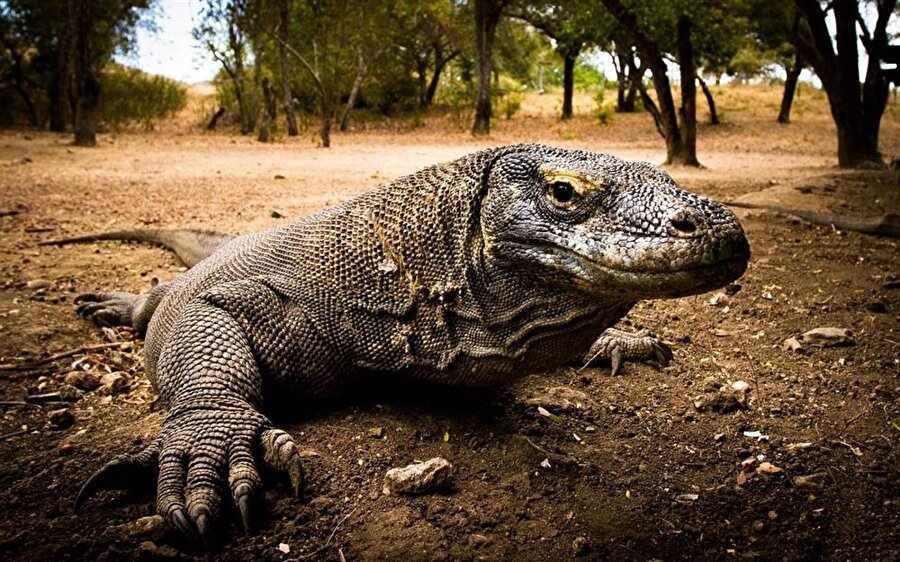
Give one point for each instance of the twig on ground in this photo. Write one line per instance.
(316, 553)
(6, 436)
(58, 356)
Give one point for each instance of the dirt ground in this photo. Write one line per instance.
(626, 468)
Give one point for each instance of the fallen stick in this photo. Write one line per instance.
(58, 356)
(882, 225)
(6, 436)
(316, 553)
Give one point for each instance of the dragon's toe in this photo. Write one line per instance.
(619, 346)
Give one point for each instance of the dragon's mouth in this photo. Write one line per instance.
(606, 276)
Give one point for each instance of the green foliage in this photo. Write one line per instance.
(511, 103)
(37, 55)
(603, 110)
(130, 96)
(587, 77)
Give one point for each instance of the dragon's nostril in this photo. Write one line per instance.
(684, 226)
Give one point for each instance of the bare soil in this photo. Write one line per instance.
(627, 468)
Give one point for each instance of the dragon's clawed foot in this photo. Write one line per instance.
(107, 309)
(619, 346)
(203, 449)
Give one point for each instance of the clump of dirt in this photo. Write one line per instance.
(573, 464)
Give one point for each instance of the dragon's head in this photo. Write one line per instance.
(605, 226)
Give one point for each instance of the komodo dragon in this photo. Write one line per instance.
(471, 273)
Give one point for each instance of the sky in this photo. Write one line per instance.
(172, 51)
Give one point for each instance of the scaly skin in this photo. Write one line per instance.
(471, 273)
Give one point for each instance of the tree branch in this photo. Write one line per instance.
(301, 58)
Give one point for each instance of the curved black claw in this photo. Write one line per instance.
(119, 474)
(619, 347)
(243, 503)
(203, 525)
(617, 360)
(179, 519)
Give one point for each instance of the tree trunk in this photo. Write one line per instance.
(790, 87)
(626, 85)
(856, 109)
(687, 153)
(255, 106)
(568, 84)
(666, 117)
(440, 62)
(270, 111)
(634, 81)
(59, 82)
(713, 114)
(287, 98)
(87, 86)
(325, 130)
(237, 79)
(361, 70)
(214, 121)
(487, 16)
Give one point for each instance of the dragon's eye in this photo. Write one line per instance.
(562, 191)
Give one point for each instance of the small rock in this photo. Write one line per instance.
(560, 399)
(61, 419)
(82, 380)
(321, 503)
(477, 540)
(284, 548)
(791, 344)
(727, 399)
(687, 498)
(419, 478)
(581, 546)
(65, 449)
(112, 383)
(815, 480)
(152, 528)
(376, 432)
(68, 393)
(718, 298)
(827, 337)
(38, 284)
(276, 214)
(148, 551)
(279, 177)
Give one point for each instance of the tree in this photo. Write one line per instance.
(680, 134)
(57, 50)
(856, 108)
(96, 29)
(433, 36)
(222, 29)
(771, 28)
(487, 17)
(572, 25)
(691, 33)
